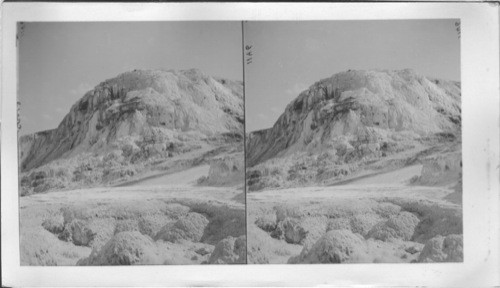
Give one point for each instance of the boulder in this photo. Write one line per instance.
(336, 246)
(81, 235)
(266, 222)
(229, 251)
(54, 224)
(443, 249)
(401, 226)
(125, 248)
(191, 227)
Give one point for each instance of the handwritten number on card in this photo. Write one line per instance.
(457, 27)
(248, 54)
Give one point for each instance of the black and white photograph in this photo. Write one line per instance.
(131, 143)
(194, 144)
(353, 149)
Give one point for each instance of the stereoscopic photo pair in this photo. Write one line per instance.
(228, 142)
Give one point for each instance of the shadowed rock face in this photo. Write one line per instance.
(361, 106)
(143, 103)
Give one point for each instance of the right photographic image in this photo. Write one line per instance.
(353, 141)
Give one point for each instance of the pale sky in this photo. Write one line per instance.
(59, 62)
(288, 57)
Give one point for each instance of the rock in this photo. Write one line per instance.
(401, 226)
(442, 169)
(54, 225)
(229, 251)
(77, 232)
(191, 227)
(439, 221)
(151, 224)
(125, 248)
(203, 251)
(224, 222)
(412, 250)
(225, 170)
(266, 222)
(443, 249)
(80, 234)
(363, 223)
(336, 246)
(293, 232)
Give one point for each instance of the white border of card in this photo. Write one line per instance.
(480, 108)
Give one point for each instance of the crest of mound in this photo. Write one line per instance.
(360, 106)
(140, 103)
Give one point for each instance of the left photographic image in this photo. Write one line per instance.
(131, 143)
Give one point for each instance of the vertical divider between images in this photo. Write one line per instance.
(244, 138)
(19, 33)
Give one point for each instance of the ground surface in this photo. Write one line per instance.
(379, 218)
(66, 227)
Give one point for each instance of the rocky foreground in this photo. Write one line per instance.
(389, 217)
(134, 225)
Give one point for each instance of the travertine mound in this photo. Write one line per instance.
(361, 112)
(155, 108)
(229, 251)
(191, 227)
(54, 224)
(401, 226)
(125, 248)
(266, 222)
(441, 169)
(291, 230)
(443, 249)
(225, 170)
(336, 246)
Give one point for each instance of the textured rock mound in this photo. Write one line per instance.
(266, 222)
(68, 227)
(191, 227)
(443, 249)
(359, 112)
(125, 248)
(291, 230)
(363, 223)
(151, 224)
(229, 251)
(80, 234)
(154, 107)
(441, 169)
(225, 170)
(336, 246)
(54, 225)
(401, 226)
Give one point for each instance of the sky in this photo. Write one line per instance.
(288, 57)
(60, 62)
